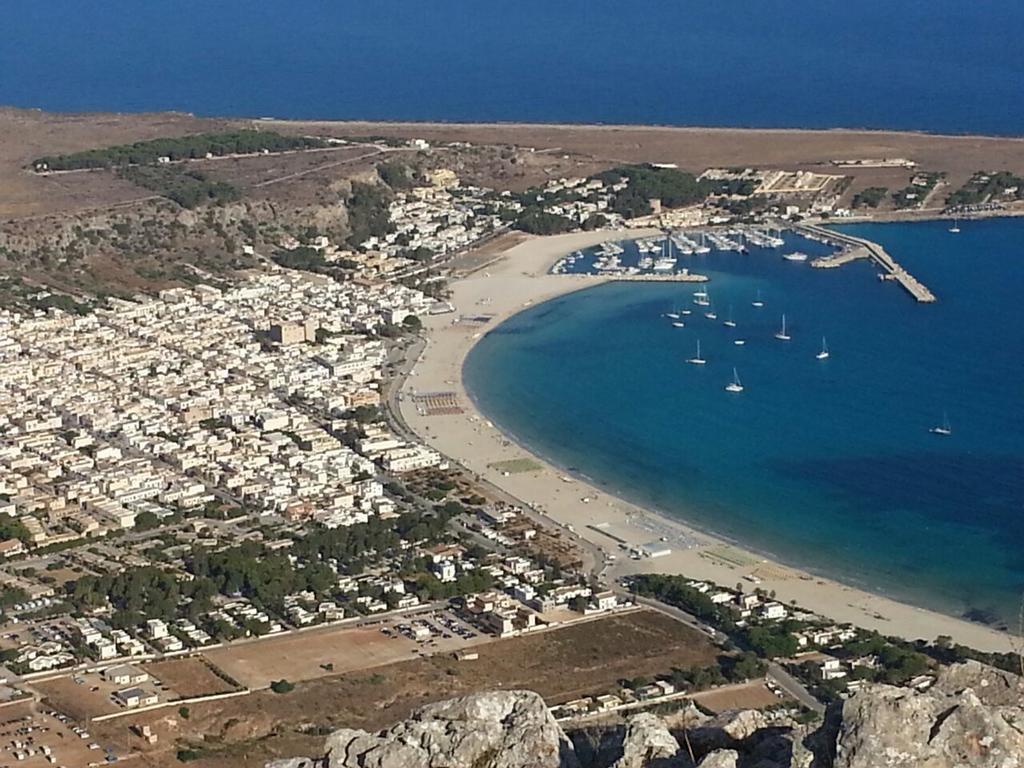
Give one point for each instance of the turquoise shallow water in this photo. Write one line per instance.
(824, 464)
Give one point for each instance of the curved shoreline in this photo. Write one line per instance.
(520, 280)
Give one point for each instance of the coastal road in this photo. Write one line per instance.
(789, 684)
(793, 687)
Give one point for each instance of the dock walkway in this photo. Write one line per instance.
(856, 246)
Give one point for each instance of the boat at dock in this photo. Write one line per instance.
(783, 335)
(697, 359)
(795, 256)
(734, 385)
(823, 355)
(945, 430)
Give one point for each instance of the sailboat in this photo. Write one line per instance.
(945, 430)
(711, 314)
(956, 226)
(698, 360)
(700, 298)
(678, 324)
(734, 385)
(730, 323)
(823, 355)
(757, 302)
(782, 335)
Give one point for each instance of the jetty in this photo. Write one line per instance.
(859, 248)
(679, 277)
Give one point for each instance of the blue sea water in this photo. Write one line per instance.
(826, 464)
(935, 65)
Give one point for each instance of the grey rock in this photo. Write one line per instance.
(993, 687)
(721, 758)
(887, 727)
(727, 730)
(296, 762)
(647, 743)
(503, 729)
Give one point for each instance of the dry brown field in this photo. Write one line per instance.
(560, 664)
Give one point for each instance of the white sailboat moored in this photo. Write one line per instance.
(697, 359)
(783, 334)
(823, 355)
(945, 430)
(734, 385)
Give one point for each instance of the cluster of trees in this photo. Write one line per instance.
(673, 187)
(537, 221)
(729, 669)
(137, 594)
(266, 577)
(674, 590)
(396, 175)
(983, 186)
(768, 640)
(869, 198)
(303, 257)
(368, 214)
(188, 188)
(422, 253)
(245, 142)
(13, 528)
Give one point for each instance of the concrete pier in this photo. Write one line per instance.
(858, 247)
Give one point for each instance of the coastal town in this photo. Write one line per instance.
(234, 491)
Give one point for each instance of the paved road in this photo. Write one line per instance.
(793, 687)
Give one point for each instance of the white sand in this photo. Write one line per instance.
(519, 280)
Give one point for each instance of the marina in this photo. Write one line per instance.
(656, 257)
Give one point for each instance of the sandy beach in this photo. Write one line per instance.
(520, 279)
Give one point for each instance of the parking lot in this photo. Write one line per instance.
(47, 738)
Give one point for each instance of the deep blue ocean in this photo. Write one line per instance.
(825, 464)
(934, 65)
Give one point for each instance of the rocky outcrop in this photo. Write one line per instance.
(504, 729)
(647, 743)
(721, 758)
(973, 717)
(949, 726)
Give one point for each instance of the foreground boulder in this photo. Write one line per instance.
(948, 726)
(502, 729)
(647, 743)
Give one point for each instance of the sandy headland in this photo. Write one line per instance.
(520, 278)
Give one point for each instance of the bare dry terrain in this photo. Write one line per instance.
(560, 664)
(695, 149)
(188, 677)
